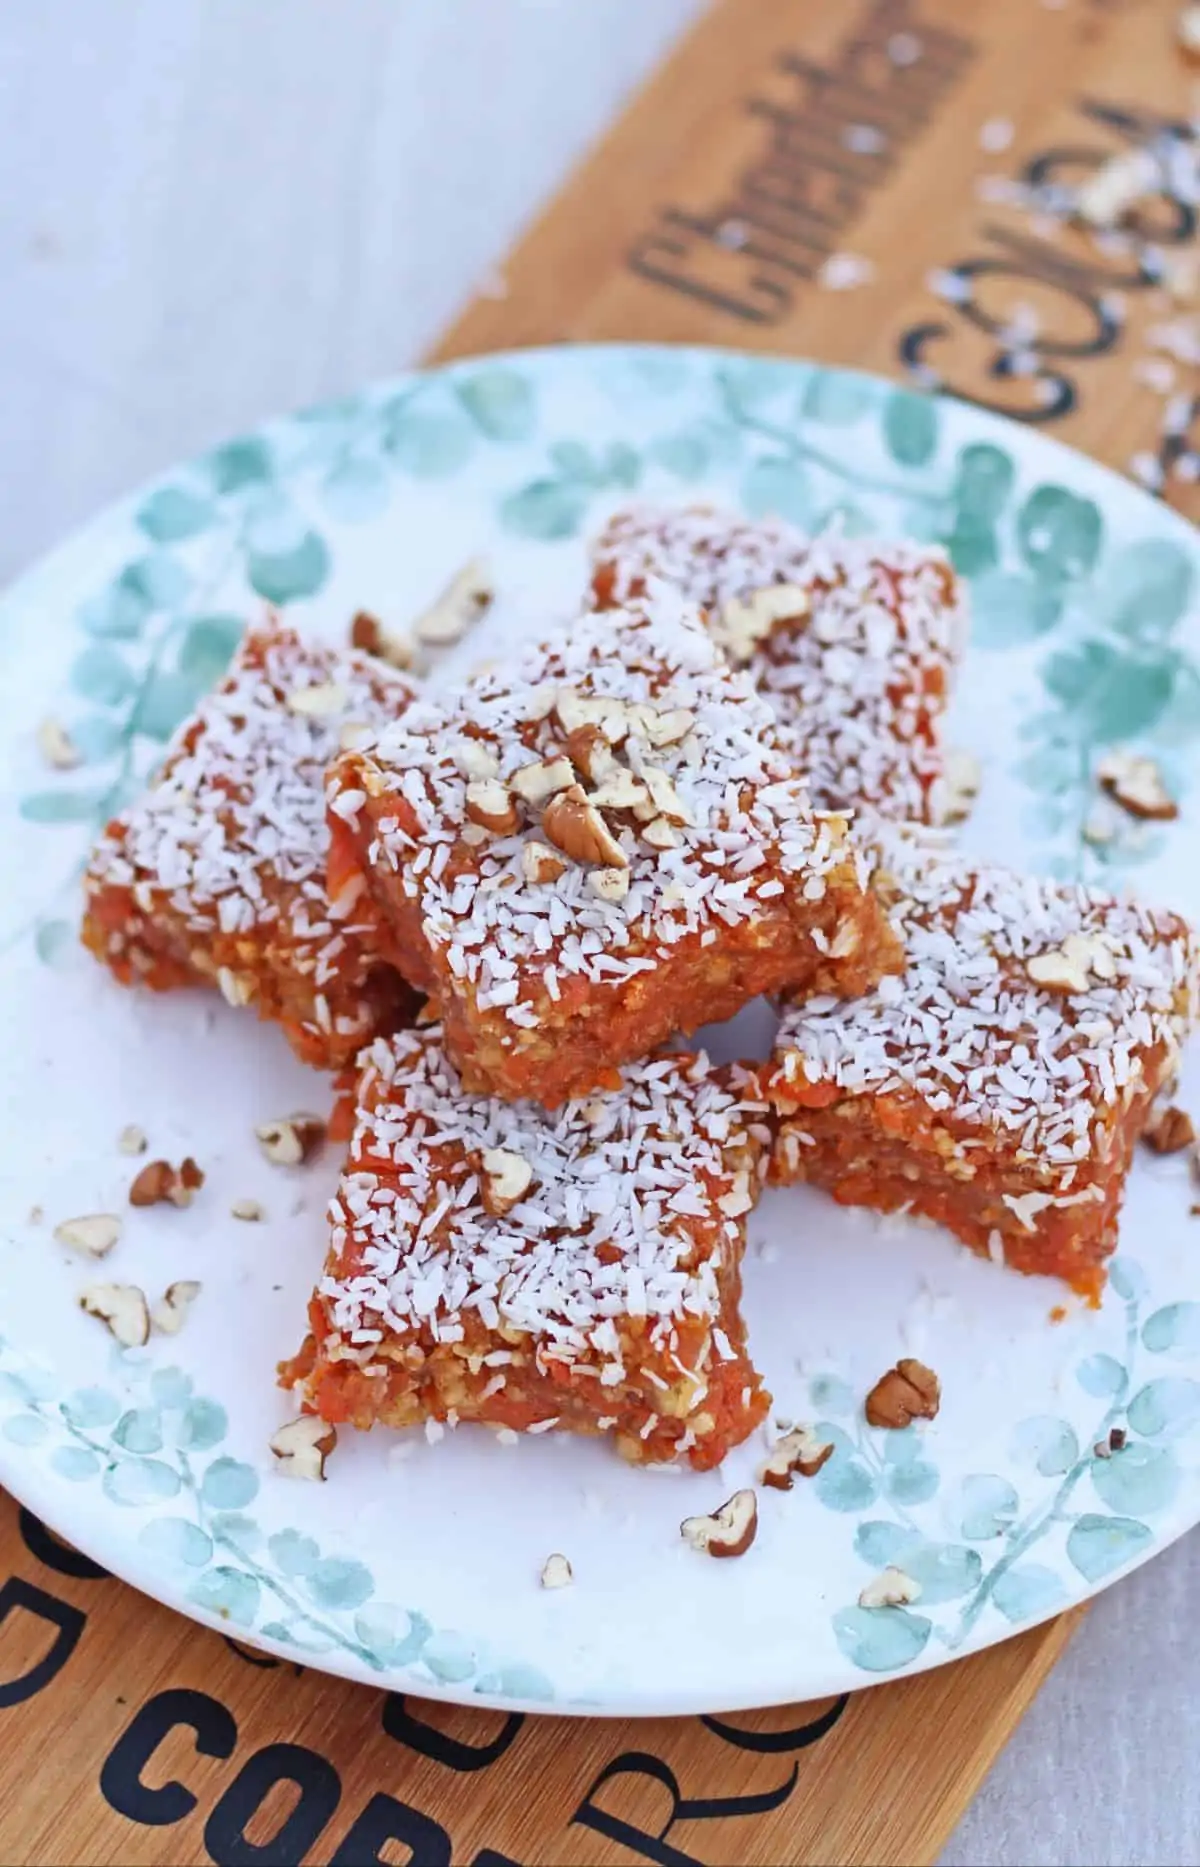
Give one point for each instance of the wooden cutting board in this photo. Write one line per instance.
(787, 146)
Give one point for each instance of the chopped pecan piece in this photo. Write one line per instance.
(292, 1140)
(909, 1391)
(891, 1588)
(578, 829)
(592, 755)
(659, 834)
(160, 1184)
(665, 798)
(468, 594)
(1072, 967)
(319, 700)
(538, 782)
(539, 863)
(1136, 784)
(122, 1308)
(475, 758)
(93, 1235)
(798, 1451)
(1169, 1131)
(746, 621)
(368, 635)
(620, 792)
(505, 1178)
(958, 788)
(492, 807)
(729, 1531)
(57, 746)
(170, 1313)
(609, 884)
(302, 1447)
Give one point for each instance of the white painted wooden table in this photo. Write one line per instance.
(215, 210)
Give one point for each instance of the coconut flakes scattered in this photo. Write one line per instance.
(864, 139)
(845, 272)
(970, 1033)
(904, 49)
(1148, 470)
(869, 622)
(231, 838)
(1155, 373)
(948, 285)
(1118, 185)
(598, 1231)
(745, 829)
(996, 135)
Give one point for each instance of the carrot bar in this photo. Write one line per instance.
(217, 874)
(1000, 1083)
(853, 641)
(600, 848)
(491, 1262)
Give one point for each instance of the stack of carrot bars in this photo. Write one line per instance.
(718, 783)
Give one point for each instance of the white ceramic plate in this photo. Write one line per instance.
(417, 1564)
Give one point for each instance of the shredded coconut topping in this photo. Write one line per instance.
(233, 829)
(859, 682)
(620, 1220)
(967, 1030)
(698, 752)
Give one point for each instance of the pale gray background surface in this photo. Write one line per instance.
(212, 211)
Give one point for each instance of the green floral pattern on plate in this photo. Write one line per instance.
(161, 1451)
(1001, 1519)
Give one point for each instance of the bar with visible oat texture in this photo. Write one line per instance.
(216, 875)
(853, 641)
(593, 851)
(580, 1269)
(1000, 1083)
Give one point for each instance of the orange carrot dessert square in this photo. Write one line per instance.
(1000, 1083)
(217, 874)
(853, 641)
(580, 1269)
(605, 845)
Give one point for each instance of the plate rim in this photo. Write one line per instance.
(22, 1476)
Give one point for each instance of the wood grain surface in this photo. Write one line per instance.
(133, 1736)
(711, 212)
